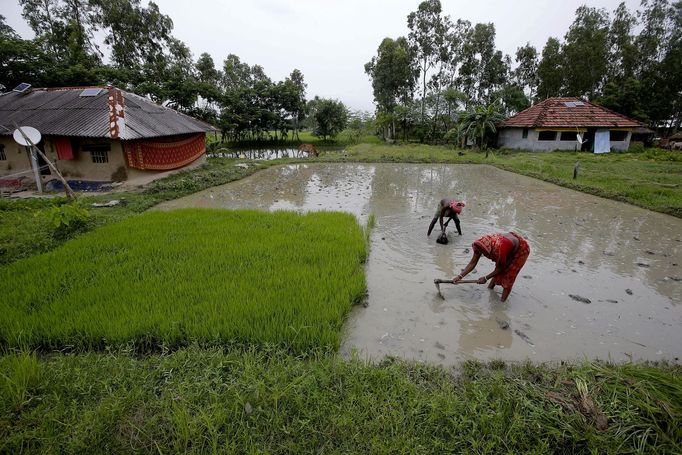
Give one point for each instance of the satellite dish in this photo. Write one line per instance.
(30, 132)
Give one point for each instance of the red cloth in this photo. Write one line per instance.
(64, 150)
(497, 247)
(164, 155)
(457, 206)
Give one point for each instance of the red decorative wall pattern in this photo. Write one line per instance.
(163, 155)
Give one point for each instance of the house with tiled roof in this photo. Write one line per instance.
(96, 134)
(567, 124)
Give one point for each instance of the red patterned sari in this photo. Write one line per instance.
(500, 249)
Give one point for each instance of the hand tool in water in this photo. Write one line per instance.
(438, 282)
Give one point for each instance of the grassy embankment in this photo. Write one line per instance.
(266, 401)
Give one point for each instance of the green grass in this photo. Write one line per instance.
(164, 279)
(25, 227)
(255, 401)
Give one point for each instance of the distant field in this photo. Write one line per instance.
(651, 179)
(170, 278)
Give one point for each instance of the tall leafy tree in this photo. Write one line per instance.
(393, 78)
(426, 29)
(550, 70)
(483, 69)
(586, 52)
(624, 53)
(65, 28)
(136, 34)
(526, 73)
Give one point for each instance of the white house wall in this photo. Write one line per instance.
(513, 138)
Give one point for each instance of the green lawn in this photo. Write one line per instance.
(164, 279)
(266, 401)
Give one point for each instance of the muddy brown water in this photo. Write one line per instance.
(626, 260)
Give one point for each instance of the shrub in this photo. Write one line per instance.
(636, 147)
(68, 218)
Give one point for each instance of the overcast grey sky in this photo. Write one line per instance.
(331, 40)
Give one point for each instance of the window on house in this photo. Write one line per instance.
(99, 156)
(569, 135)
(3, 157)
(99, 151)
(618, 136)
(547, 136)
(524, 135)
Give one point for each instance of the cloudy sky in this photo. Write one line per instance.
(331, 40)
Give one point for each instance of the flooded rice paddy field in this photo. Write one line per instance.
(625, 260)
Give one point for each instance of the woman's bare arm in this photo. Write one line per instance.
(470, 266)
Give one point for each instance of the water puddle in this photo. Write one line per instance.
(625, 260)
(271, 153)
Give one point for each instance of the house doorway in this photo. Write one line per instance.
(42, 164)
(588, 141)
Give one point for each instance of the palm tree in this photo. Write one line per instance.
(479, 120)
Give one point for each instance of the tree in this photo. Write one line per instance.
(550, 70)
(480, 120)
(20, 60)
(513, 99)
(7, 32)
(65, 28)
(586, 52)
(426, 26)
(623, 51)
(484, 69)
(137, 35)
(393, 77)
(330, 118)
(526, 73)
(292, 92)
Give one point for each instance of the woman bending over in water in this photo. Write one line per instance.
(509, 253)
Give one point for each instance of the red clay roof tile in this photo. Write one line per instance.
(556, 113)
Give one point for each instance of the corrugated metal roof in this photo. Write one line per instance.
(568, 113)
(63, 112)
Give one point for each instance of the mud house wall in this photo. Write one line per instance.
(16, 158)
(82, 167)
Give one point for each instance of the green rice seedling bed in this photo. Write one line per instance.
(164, 279)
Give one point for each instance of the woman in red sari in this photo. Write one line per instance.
(508, 251)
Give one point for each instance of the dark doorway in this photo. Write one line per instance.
(42, 164)
(588, 141)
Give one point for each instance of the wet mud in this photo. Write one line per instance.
(583, 248)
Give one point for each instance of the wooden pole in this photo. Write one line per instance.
(67, 189)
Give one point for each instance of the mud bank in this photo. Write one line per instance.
(602, 281)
